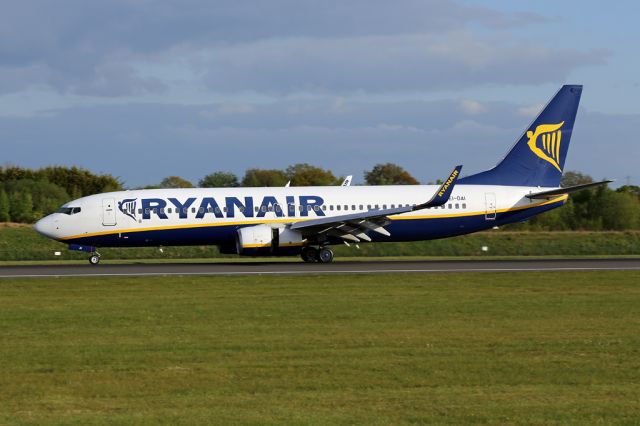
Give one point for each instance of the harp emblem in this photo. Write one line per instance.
(128, 207)
(545, 143)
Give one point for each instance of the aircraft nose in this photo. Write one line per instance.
(46, 227)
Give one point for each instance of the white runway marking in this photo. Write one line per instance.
(322, 272)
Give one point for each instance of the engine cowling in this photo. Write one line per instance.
(264, 240)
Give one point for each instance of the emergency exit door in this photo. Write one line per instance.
(108, 211)
(490, 203)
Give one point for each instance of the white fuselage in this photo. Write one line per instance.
(118, 218)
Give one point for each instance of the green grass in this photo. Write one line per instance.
(23, 243)
(494, 348)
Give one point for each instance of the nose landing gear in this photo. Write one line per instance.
(95, 256)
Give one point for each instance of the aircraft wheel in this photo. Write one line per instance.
(309, 254)
(94, 259)
(325, 256)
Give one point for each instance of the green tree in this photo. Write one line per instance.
(264, 177)
(630, 189)
(389, 174)
(617, 210)
(71, 179)
(219, 180)
(304, 174)
(175, 182)
(21, 207)
(573, 178)
(4, 206)
(46, 197)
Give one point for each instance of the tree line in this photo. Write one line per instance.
(301, 174)
(27, 195)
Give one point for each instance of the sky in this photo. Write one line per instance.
(145, 89)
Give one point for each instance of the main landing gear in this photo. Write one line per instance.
(312, 254)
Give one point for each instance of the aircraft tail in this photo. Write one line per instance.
(537, 159)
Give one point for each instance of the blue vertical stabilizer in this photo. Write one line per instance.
(537, 159)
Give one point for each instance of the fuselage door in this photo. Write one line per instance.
(108, 211)
(490, 203)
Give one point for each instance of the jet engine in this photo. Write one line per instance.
(264, 240)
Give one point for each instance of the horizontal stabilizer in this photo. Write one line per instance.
(561, 191)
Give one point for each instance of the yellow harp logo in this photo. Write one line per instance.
(545, 143)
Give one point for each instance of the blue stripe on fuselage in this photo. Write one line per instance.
(400, 229)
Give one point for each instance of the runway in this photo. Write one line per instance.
(297, 267)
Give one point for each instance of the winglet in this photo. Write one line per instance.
(443, 193)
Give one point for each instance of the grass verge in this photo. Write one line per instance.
(439, 348)
(23, 243)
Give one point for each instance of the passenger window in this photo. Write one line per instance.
(331, 207)
(241, 209)
(450, 206)
(139, 211)
(368, 206)
(162, 210)
(457, 206)
(338, 207)
(393, 206)
(377, 207)
(324, 207)
(193, 209)
(464, 206)
(361, 207)
(201, 210)
(316, 208)
(263, 209)
(146, 211)
(353, 207)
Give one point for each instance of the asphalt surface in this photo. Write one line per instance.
(298, 267)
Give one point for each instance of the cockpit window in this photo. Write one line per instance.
(69, 210)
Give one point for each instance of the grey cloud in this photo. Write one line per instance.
(389, 63)
(75, 45)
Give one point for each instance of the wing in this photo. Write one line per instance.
(354, 227)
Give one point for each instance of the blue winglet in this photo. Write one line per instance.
(443, 193)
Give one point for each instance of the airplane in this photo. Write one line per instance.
(307, 221)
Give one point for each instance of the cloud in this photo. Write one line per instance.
(472, 107)
(278, 47)
(387, 63)
(530, 111)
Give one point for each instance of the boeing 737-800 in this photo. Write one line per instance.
(308, 220)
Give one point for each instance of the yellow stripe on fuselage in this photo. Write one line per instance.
(294, 220)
